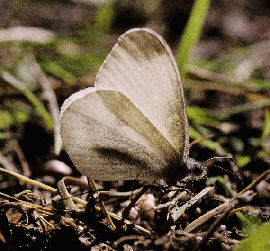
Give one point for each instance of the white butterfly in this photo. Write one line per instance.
(132, 125)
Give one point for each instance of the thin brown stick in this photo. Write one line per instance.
(205, 74)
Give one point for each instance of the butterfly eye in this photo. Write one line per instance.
(198, 169)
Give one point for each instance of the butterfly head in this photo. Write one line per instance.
(189, 172)
(196, 170)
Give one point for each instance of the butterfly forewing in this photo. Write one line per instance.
(142, 67)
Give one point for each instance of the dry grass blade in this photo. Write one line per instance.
(204, 192)
(26, 205)
(65, 195)
(53, 105)
(20, 33)
(6, 163)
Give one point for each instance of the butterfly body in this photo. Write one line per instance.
(132, 125)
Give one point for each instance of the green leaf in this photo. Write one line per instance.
(192, 33)
(193, 134)
(222, 184)
(68, 68)
(266, 129)
(5, 119)
(259, 240)
(201, 116)
(56, 70)
(103, 20)
(15, 117)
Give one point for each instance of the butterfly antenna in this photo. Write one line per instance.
(210, 162)
(233, 174)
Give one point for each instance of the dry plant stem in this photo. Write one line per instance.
(66, 197)
(26, 204)
(84, 185)
(220, 209)
(28, 195)
(215, 86)
(77, 200)
(21, 157)
(104, 209)
(53, 105)
(27, 180)
(204, 218)
(214, 225)
(43, 222)
(121, 194)
(58, 197)
(205, 74)
(200, 140)
(7, 197)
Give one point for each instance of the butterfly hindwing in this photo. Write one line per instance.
(108, 138)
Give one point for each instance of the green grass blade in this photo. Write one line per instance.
(242, 108)
(30, 96)
(191, 33)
